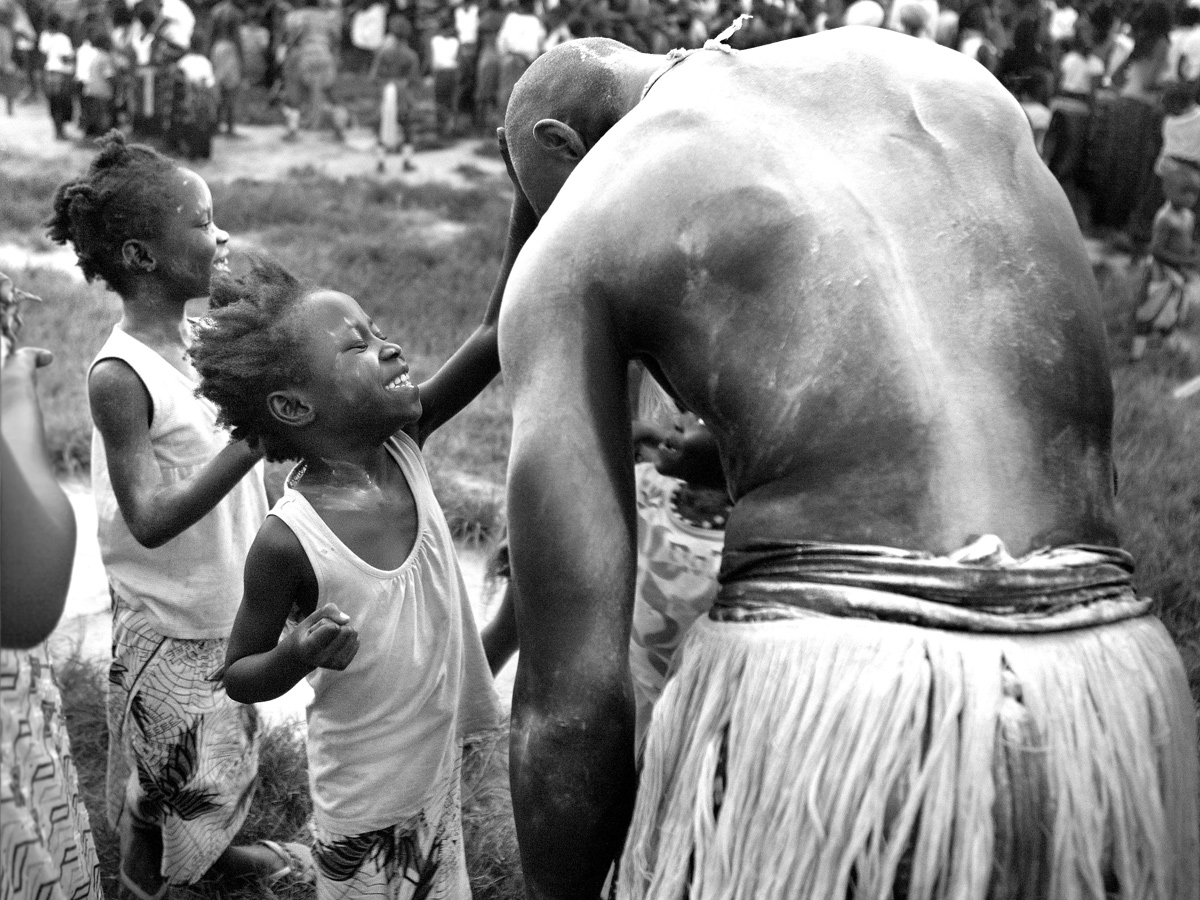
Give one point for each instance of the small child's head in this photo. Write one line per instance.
(687, 449)
(136, 215)
(1181, 181)
(295, 369)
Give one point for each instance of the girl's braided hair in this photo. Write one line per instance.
(249, 346)
(119, 198)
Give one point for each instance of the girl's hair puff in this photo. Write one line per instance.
(120, 198)
(247, 347)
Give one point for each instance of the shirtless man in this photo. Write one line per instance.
(844, 254)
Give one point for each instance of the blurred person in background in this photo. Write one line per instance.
(443, 63)
(396, 73)
(466, 27)
(59, 68)
(487, 69)
(1126, 132)
(228, 58)
(518, 43)
(98, 89)
(311, 38)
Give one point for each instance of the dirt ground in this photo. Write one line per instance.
(257, 152)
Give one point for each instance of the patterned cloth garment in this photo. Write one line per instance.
(182, 755)
(46, 847)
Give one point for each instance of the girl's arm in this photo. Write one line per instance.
(37, 521)
(477, 361)
(259, 665)
(155, 512)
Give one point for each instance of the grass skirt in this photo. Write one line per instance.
(827, 757)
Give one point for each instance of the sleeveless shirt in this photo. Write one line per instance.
(191, 586)
(385, 734)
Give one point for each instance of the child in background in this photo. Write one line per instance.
(96, 105)
(178, 505)
(1079, 72)
(443, 60)
(84, 54)
(194, 120)
(397, 71)
(1171, 289)
(682, 504)
(359, 555)
(1033, 93)
(1181, 124)
(45, 836)
(59, 53)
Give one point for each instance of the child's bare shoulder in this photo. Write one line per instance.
(278, 571)
(277, 545)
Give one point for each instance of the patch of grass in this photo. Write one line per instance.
(282, 805)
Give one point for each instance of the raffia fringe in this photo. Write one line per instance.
(963, 766)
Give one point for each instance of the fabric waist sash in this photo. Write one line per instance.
(979, 588)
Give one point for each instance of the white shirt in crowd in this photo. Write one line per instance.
(178, 23)
(1181, 135)
(521, 34)
(60, 55)
(443, 52)
(1185, 49)
(1078, 73)
(84, 57)
(198, 70)
(466, 23)
(1062, 23)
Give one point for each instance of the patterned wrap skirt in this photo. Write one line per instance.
(46, 847)
(182, 756)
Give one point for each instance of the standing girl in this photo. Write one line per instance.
(58, 51)
(178, 505)
(357, 552)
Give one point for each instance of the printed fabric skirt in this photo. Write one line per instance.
(46, 848)
(182, 756)
(421, 858)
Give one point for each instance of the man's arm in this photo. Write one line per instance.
(477, 361)
(572, 537)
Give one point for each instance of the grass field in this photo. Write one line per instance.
(421, 261)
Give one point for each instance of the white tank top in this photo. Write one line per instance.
(191, 586)
(385, 734)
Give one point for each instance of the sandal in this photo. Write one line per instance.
(298, 863)
(130, 885)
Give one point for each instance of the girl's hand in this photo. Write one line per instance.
(326, 640)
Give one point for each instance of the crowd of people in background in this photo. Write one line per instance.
(1099, 79)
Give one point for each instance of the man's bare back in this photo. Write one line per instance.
(866, 283)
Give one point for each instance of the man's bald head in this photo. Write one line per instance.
(564, 104)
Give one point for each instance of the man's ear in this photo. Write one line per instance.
(138, 256)
(290, 408)
(560, 139)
